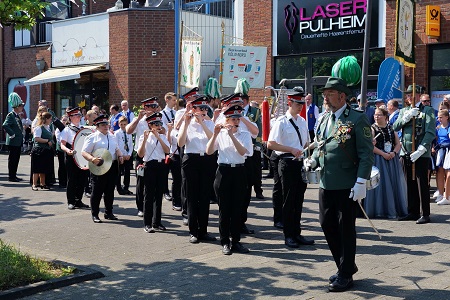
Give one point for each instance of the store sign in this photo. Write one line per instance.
(244, 62)
(437, 97)
(80, 41)
(433, 25)
(323, 26)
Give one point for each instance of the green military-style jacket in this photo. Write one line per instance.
(13, 126)
(347, 153)
(425, 130)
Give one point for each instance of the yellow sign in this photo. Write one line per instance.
(433, 25)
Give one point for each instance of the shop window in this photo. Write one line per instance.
(439, 68)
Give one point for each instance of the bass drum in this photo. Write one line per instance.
(78, 142)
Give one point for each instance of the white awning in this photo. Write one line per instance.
(61, 74)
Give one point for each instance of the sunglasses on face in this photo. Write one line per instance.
(157, 123)
(151, 105)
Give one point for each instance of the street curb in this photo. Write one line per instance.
(84, 274)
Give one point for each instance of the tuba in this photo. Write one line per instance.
(279, 105)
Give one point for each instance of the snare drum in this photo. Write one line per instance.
(374, 180)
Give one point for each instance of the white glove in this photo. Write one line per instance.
(358, 192)
(414, 112)
(418, 153)
(309, 164)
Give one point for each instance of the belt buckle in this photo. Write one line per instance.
(257, 148)
(233, 165)
(202, 154)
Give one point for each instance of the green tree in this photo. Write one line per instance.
(21, 14)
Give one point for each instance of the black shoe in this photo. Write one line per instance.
(341, 284)
(237, 247)
(185, 222)
(279, 225)
(245, 230)
(110, 217)
(207, 238)
(409, 217)
(160, 227)
(80, 204)
(176, 208)
(45, 187)
(96, 219)
(260, 196)
(129, 192)
(333, 277)
(149, 229)
(167, 196)
(193, 239)
(303, 241)
(122, 192)
(423, 220)
(226, 249)
(291, 243)
(71, 206)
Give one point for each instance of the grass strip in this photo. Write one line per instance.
(19, 269)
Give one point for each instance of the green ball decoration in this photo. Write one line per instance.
(348, 69)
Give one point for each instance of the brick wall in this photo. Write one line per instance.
(134, 73)
(258, 30)
(422, 41)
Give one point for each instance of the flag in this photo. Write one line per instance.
(191, 57)
(404, 39)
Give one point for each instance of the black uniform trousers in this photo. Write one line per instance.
(155, 174)
(277, 191)
(13, 160)
(174, 167)
(195, 170)
(293, 195)
(139, 186)
(104, 185)
(124, 169)
(76, 181)
(62, 172)
(418, 189)
(337, 216)
(230, 187)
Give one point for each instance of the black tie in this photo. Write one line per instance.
(126, 141)
(172, 115)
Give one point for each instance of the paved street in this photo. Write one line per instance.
(410, 262)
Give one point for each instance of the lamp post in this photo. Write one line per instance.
(40, 64)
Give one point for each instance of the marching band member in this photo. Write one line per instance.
(76, 177)
(288, 138)
(194, 134)
(138, 126)
(233, 146)
(152, 147)
(102, 185)
(125, 141)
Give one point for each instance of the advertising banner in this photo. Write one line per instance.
(323, 26)
(244, 62)
(191, 58)
(436, 98)
(389, 80)
(404, 42)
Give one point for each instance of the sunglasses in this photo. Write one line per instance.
(202, 108)
(151, 105)
(156, 123)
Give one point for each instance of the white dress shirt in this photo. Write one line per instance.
(153, 148)
(68, 135)
(227, 151)
(98, 140)
(120, 136)
(168, 114)
(284, 133)
(140, 128)
(221, 118)
(196, 138)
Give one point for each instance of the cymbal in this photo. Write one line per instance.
(104, 165)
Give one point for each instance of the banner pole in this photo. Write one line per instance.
(413, 134)
(179, 64)
(221, 58)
